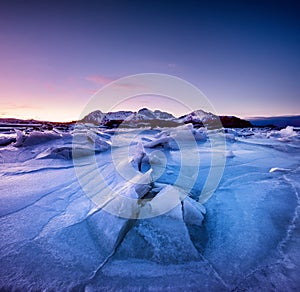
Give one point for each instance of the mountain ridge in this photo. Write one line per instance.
(142, 117)
(198, 118)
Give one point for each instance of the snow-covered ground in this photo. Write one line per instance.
(61, 191)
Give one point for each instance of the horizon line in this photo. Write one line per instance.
(75, 120)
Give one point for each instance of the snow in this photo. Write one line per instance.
(97, 117)
(58, 216)
(198, 116)
(120, 115)
(163, 115)
(279, 169)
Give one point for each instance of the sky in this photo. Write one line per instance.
(54, 55)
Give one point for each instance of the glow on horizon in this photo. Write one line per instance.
(66, 111)
(66, 104)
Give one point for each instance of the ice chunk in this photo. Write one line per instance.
(107, 230)
(91, 140)
(20, 138)
(164, 141)
(200, 135)
(193, 212)
(273, 169)
(283, 134)
(287, 132)
(138, 156)
(163, 239)
(80, 148)
(229, 137)
(101, 145)
(167, 199)
(123, 199)
(139, 183)
(4, 141)
(66, 152)
(34, 138)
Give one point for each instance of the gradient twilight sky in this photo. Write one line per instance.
(243, 55)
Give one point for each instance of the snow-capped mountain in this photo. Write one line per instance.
(198, 116)
(148, 117)
(95, 117)
(163, 115)
(144, 114)
(120, 115)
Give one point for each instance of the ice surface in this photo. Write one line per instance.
(57, 233)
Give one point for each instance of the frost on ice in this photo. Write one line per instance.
(60, 230)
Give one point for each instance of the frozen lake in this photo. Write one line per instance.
(193, 214)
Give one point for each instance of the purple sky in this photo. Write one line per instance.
(243, 55)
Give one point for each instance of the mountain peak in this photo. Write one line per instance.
(146, 116)
(95, 117)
